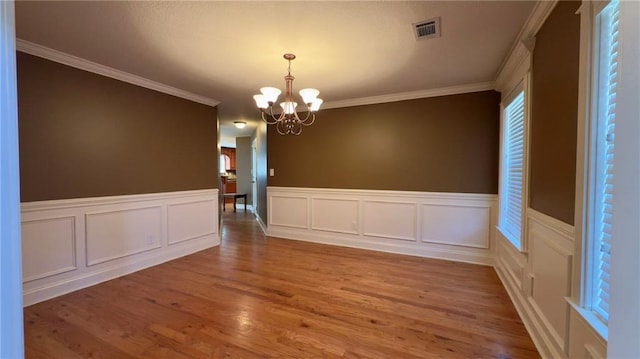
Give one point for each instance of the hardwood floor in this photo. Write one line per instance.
(272, 298)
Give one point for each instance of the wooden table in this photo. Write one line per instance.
(235, 197)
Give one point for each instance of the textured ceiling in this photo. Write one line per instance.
(228, 50)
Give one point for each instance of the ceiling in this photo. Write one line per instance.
(227, 50)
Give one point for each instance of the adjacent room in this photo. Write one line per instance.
(320, 179)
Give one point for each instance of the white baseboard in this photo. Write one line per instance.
(452, 226)
(261, 223)
(446, 253)
(75, 243)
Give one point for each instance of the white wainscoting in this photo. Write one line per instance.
(54, 236)
(462, 225)
(115, 234)
(190, 220)
(335, 215)
(551, 255)
(539, 284)
(454, 226)
(76, 243)
(390, 219)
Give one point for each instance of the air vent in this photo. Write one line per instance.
(427, 29)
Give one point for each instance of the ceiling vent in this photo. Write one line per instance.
(427, 29)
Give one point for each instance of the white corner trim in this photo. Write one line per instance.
(11, 325)
(86, 65)
(403, 96)
(554, 224)
(263, 227)
(536, 19)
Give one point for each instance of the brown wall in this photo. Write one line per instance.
(85, 135)
(439, 144)
(554, 113)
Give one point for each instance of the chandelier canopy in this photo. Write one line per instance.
(288, 122)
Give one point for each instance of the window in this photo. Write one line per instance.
(512, 172)
(601, 156)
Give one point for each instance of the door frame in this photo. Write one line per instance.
(11, 317)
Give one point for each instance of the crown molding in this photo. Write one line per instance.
(516, 68)
(86, 65)
(536, 19)
(443, 91)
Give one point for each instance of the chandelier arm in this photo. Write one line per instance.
(295, 128)
(295, 116)
(298, 132)
(270, 118)
(266, 118)
(280, 118)
(309, 123)
(281, 127)
(304, 122)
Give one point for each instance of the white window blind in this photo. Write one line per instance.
(512, 170)
(604, 156)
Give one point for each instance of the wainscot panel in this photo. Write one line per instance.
(389, 219)
(453, 226)
(550, 266)
(291, 211)
(584, 341)
(120, 233)
(190, 220)
(76, 243)
(335, 215)
(55, 237)
(462, 225)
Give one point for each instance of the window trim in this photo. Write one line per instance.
(582, 288)
(523, 85)
(593, 187)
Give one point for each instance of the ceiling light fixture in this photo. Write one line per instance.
(239, 124)
(288, 122)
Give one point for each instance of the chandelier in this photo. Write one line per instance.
(288, 122)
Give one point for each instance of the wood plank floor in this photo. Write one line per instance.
(272, 298)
